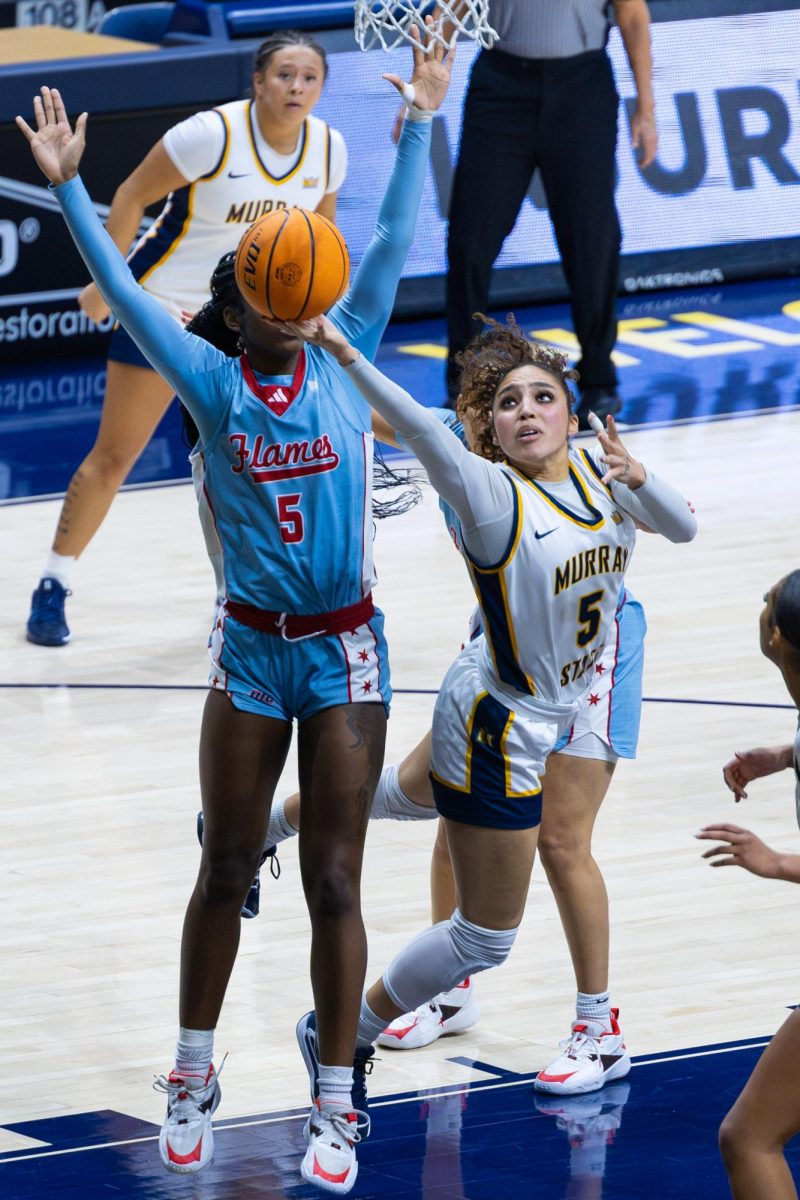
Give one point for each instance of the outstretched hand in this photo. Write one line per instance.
(739, 848)
(622, 466)
(56, 148)
(430, 78)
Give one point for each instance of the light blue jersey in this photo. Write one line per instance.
(288, 464)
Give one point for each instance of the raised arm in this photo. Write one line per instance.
(480, 494)
(364, 312)
(179, 357)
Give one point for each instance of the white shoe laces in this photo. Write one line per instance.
(174, 1087)
(580, 1044)
(344, 1127)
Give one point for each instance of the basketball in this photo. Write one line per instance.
(292, 264)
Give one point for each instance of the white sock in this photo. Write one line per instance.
(195, 1050)
(392, 804)
(369, 1026)
(280, 828)
(335, 1087)
(593, 1007)
(60, 567)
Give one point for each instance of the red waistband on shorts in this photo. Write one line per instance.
(294, 628)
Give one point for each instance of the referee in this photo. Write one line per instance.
(547, 99)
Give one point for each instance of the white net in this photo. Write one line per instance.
(389, 22)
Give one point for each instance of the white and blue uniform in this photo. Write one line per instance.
(233, 177)
(547, 563)
(287, 468)
(607, 722)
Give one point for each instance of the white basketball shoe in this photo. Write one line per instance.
(449, 1012)
(330, 1161)
(592, 1055)
(186, 1142)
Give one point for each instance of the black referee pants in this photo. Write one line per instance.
(559, 115)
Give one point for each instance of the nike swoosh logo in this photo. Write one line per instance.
(238, 174)
(547, 533)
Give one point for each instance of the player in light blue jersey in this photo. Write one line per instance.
(286, 441)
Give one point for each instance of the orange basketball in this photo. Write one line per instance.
(292, 264)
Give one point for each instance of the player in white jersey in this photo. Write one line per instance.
(219, 170)
(547, 534)
(579, 771)
(766, 1116)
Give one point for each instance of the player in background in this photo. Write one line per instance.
(766, 1115)
(218, 171)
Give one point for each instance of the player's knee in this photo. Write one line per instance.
(110, 463)
(332, 893)
(226, 879)
(563, 848)
(479, 949)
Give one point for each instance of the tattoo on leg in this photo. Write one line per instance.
(64, 516)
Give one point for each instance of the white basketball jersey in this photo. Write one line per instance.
(548, 607)
(175, 259)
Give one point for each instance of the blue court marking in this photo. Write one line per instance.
(701, 355)
(202, 687)
(651, 1135)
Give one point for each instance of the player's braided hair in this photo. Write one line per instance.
(209, 324)
(486, 361)
(787, 610)
(401, 485)
(282, 38)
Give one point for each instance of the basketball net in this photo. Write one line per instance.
(390, 22)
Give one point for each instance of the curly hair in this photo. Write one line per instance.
(489, 357)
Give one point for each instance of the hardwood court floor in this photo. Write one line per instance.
(99, 793)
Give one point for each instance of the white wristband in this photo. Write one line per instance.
(412, 112)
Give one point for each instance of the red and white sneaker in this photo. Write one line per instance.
(592, 1055)
(186, 1141)
(330, 1161)
(449, 1012)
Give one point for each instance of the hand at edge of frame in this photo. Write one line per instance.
(740, 848)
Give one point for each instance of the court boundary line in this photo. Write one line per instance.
(388, 1101)
(203, 687)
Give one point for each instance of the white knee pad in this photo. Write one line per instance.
(441, 957)
(392, 804)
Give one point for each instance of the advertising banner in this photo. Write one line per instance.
(720, 202)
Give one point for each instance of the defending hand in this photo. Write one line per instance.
(747, 765)
(621, 465)
(740, 848)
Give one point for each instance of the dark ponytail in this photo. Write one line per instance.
(209, 324)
